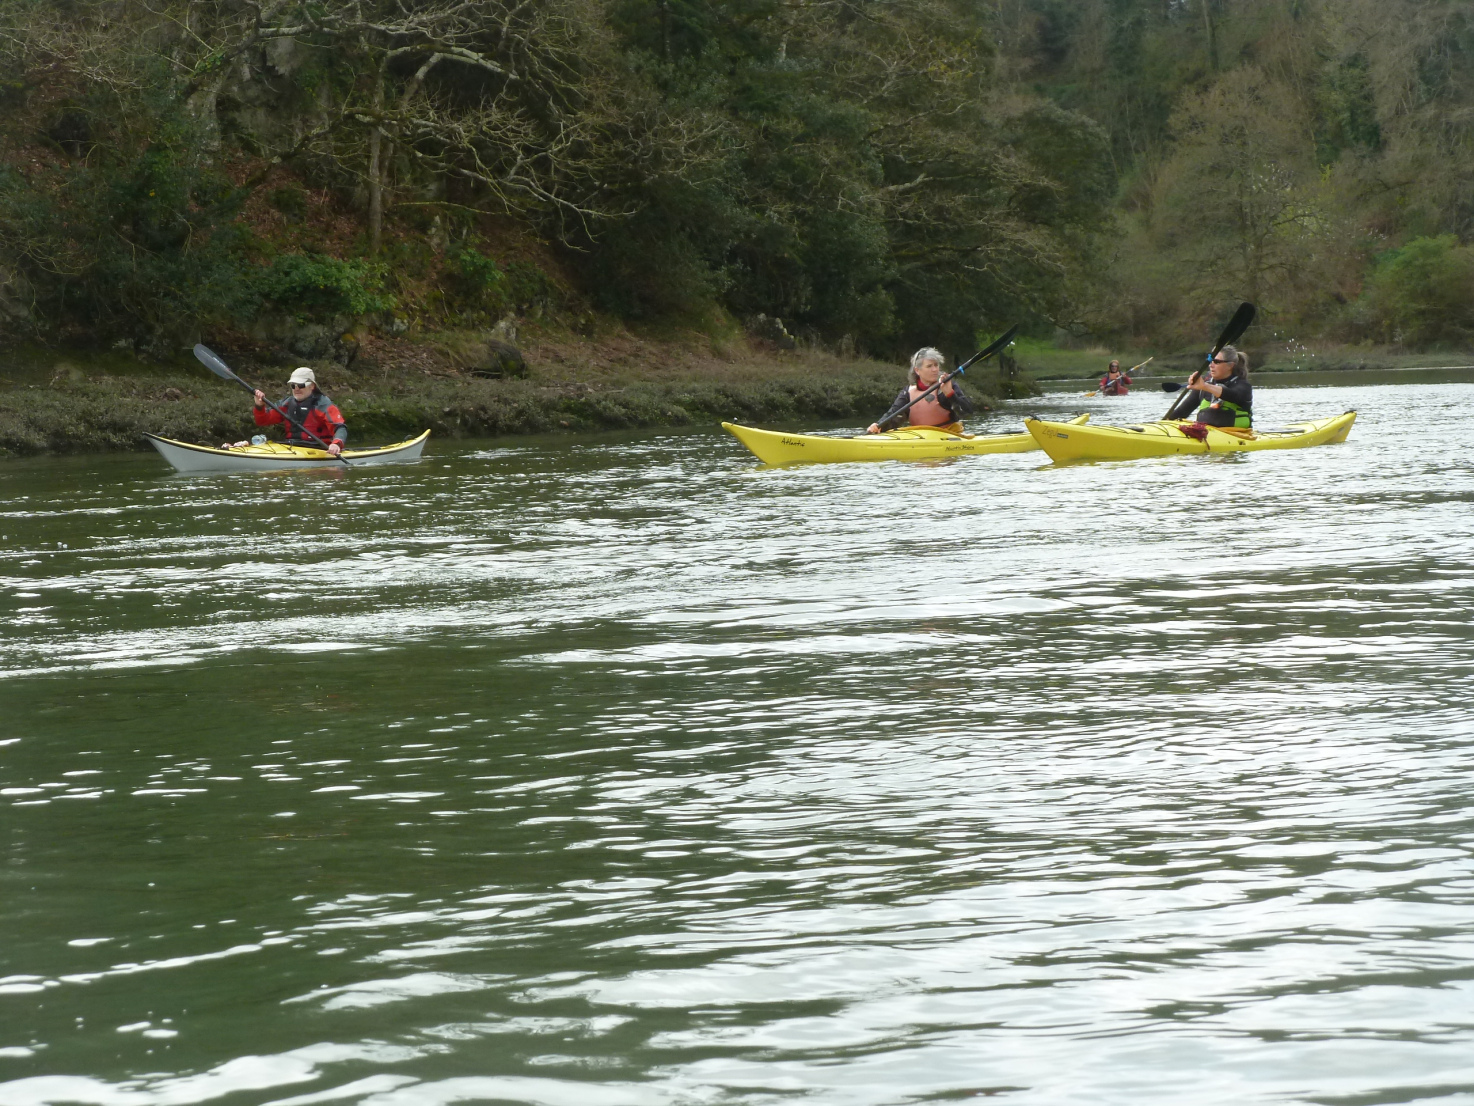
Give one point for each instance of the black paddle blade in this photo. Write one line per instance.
(984, 354)
(1242, 319)
(1002, 343)
(208, 359)
(1172, 386)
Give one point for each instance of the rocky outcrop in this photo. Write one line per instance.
(332, 341)
(771, 329)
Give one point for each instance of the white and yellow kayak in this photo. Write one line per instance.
(910, 443)
(1067, 442)
(277, 455)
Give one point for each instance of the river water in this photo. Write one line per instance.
(623, 770)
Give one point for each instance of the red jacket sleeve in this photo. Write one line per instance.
(337, 426)
(265, 416)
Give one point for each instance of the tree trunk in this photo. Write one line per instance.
(376, 170)
(1212, 36)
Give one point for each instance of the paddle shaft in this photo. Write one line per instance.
(221, 369)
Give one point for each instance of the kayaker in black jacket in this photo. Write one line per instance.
(946, 407)
(1228, 397)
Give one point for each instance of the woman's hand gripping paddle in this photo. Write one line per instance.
(1242, 318)
(211, 361)
(981, 355)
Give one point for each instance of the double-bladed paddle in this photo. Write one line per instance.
(1128, 372)
(208, 358)
(981, 355)
(1242, 318)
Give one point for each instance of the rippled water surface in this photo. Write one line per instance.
(626, 771)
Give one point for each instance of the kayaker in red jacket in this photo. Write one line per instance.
(945, 407)
(1115, 382)
(309, 407)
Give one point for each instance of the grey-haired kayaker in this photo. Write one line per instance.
(944, 408)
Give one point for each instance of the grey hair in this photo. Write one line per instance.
(925, 353)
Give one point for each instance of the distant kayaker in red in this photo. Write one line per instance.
(946, 407)
(1115, 382)
(309, 407)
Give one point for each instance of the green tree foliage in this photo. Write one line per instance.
(894, 172)
(855, 167)
(1268, 148)
(877, 181)
(1423, 293)
(138, 240)
(316, 286)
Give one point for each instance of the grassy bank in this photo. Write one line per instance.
(72, 405)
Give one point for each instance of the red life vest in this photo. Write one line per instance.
(928, 412)
(317, 413)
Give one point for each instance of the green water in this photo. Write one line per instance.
(624, 770)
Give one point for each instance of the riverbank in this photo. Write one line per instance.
(455, 385)
(54, 402)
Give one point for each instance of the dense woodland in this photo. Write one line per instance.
(876, 173)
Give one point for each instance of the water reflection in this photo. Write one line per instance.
(627, 771)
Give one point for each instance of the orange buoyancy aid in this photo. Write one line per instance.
(929, 412)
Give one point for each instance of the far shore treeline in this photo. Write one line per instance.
(877, 174)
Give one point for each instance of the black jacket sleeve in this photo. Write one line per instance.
(957, 402)
(1238, 390)
(890, 420)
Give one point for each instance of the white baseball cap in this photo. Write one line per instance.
(303, 375)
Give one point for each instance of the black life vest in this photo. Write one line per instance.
(303, 411)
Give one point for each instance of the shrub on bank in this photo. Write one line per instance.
(315, 286)
(1423, 293)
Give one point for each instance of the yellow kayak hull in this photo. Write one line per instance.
(911, 443)
(1064, 442)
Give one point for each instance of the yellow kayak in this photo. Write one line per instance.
(910, 443)
(1067, 442)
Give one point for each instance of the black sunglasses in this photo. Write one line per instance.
(307, 384)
